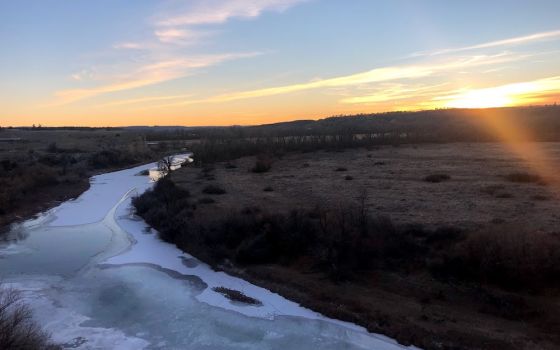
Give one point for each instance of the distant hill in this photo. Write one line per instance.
(533, 123)
(539, 123)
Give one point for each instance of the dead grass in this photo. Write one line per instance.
(213, 189)
(394, 189)
(406, 301)
(523, 177)
(206, 200)
(262, 164)
(435, 178)
(507, 256)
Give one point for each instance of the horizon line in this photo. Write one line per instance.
(40, 126)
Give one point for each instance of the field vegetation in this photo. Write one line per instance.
(40, 167)
(422, 245)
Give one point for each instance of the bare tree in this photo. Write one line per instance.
(165, 165)
(18, 330)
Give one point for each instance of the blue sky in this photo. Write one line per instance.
(208, 62)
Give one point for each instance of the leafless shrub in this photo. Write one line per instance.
(435, 178)
(509, 257)
(492, 189)
(540, 197)
(213, 189)
(262, 164)
(522, 177)
(504, 195)
(52, 147)
(206, 200)
(18, 330)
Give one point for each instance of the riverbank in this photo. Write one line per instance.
(43, 200)
(46, 167)
(474, 192)
(106, 292)
(50, 196)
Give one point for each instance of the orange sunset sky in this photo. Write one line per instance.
(218, 62)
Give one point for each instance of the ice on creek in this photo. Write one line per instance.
(98, 278)
(106, 190)
(94, 204)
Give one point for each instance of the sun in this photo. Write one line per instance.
(481, 99)
(515, 94)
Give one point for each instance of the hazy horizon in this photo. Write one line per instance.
(317, 118)
(241, 62)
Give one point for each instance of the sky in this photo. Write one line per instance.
(240, 62)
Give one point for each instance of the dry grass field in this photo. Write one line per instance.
(478, 192)
(484, 190)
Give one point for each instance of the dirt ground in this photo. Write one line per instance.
(415, 308)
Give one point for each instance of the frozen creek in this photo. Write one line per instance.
(98, 278)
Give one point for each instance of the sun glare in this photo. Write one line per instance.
(481, 99)
(505, 95)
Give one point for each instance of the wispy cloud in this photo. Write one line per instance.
(551, 35)
(184, 37)
(149, 74)
(163, 53)
(146, 99)
(180, 26)
(220, 11)
(84, 74)
(378, 75)
(167, 54)
(395, 92)
(128, 46)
